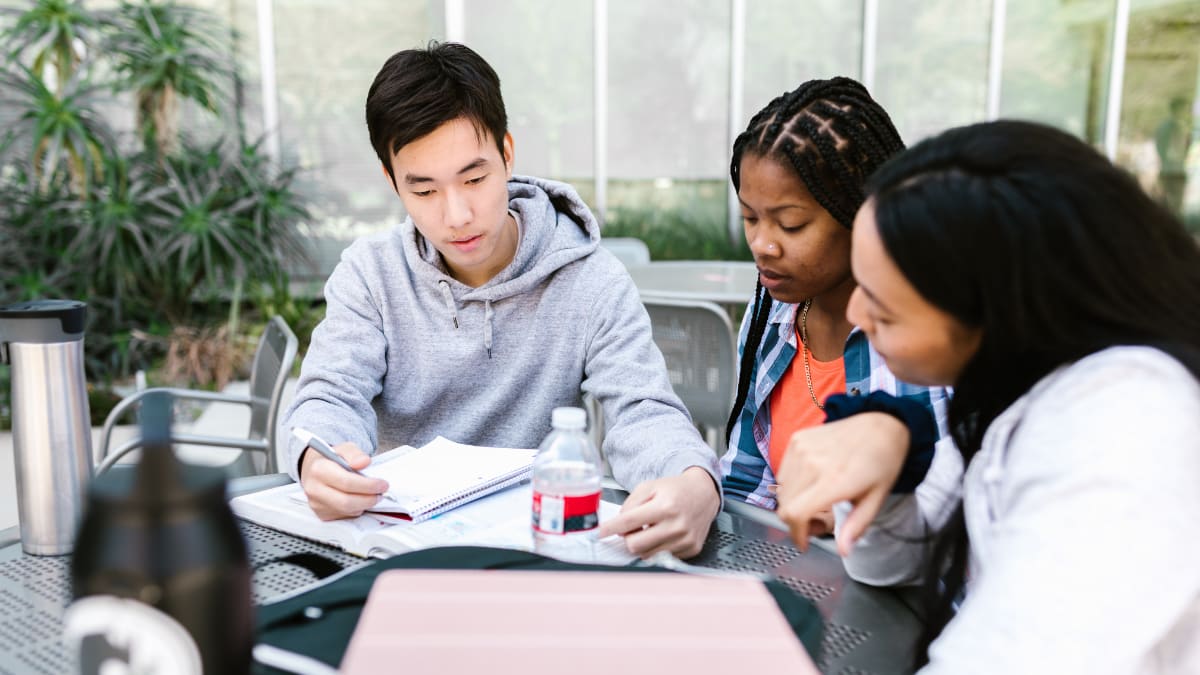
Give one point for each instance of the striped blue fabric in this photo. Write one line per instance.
(745, 472)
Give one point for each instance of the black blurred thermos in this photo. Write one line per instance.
(160, 577)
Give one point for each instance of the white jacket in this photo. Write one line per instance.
(1083, 513)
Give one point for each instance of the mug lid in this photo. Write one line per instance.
(43, 321)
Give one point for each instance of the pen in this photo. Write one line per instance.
(315, 442)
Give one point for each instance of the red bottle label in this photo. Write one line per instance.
(559, 514)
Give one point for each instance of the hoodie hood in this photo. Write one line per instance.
(556, 229)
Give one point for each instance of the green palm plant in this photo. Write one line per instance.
(207, 234)
(165, 52)
(153, 241)
(277, 204)
(115, 231)
(59, 130)
(53, 36)
(35, 228)
(277, 208)
(219, 225)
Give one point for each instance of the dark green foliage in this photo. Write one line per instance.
(301, 313)
(219, 214)
(164, 52)
(687, 222)
(151, 231)
(55, 130)
(49, 32)
(100, 401)
(677, 234)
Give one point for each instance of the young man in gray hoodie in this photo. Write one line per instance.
(491, 304)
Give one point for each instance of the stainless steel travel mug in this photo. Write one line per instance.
(52, 440)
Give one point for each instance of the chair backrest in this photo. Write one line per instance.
(273, 361)
(697, 340)
(629, 250)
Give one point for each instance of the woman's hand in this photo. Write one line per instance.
(856, 459)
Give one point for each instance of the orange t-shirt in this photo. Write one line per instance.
(792, 408)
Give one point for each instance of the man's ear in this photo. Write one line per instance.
(508, 154)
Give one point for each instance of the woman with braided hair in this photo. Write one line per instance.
(799, 170)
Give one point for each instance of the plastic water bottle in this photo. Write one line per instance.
(566, 489)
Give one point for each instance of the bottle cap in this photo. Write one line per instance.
(568, 418)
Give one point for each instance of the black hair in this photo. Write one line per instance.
(418, 90)
(833, 135)
(1029, 234)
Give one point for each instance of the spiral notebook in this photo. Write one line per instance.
(442, 474)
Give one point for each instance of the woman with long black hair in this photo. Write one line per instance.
(1014, 262)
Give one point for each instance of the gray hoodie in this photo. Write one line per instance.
(406, 353)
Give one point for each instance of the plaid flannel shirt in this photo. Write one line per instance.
(745, 472)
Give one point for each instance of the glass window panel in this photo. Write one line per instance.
(326, 57)
(931, 63)
(1056, 64)
(668, 112)
(542, 51)
(1160, 105)
(788, 43)
(668, 88)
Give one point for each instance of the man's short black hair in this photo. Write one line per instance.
(418, 90)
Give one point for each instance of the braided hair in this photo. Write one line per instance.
(833, 135)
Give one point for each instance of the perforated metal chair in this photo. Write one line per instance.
(697, 340)
(273, 359)
(629, 250)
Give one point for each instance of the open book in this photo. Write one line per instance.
(501, 520)
(452, 515)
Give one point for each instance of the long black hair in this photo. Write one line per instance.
(832, 134)
(1029, 234)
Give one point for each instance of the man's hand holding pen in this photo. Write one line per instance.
(336, 491)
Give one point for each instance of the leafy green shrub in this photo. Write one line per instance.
(677, 234)
(301, 313)
(100, 402)
(688, 221)
(152, 230)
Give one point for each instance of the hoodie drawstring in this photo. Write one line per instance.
(449, 298)
(487, 327)
(487, 314)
